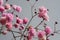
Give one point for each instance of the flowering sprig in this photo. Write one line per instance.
(27, 31)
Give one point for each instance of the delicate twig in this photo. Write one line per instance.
(39, 24)
(13, 35)
(1, 29)
(15, 31)
(54, 27)
(20, 36)
(32, 8)
(27, 26)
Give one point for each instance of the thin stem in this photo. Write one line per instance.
(1, 29)
(15, 31)
(13, 35)
(27, 26)
(32, 8)
(39, 24)
(54, 27)
(30, 19)
(20, 36)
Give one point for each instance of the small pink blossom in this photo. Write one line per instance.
(43, 38)
(3, 20)
(4, 14)
(41, 34)
(2, 9)
(8, 16)
(19, 21)
(25, 20)
(43, 9)
(48, 30)
(29, 37)
(16, 25)
(17, 8)
(9, 26)
(46, 17)
(7, 6)
(21, 27)
(4, 32)
(32, 31)
(43, 13)
(1, 2)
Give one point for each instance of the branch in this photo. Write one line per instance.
(27, 26)
(32, 8)
(39, 24)
(13, 35)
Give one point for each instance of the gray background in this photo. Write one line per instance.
(54, 14)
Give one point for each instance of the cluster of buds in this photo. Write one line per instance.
(43, 13)
(7, 18)
(40, 34)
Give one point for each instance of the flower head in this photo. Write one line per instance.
(3, 20)
(9, 26)
(41, 34)
(1, 2)
(43, 13)
(17, 8)
(19, 21)
(2, 9)
(4, 32)
(7, 6)
(25, 20)
(8, 16)
(48, 30)
(32, 31)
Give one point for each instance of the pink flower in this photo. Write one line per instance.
(31, 31)
(2, 9)
(43, 13)
(17, 8)
(8, 16)
(48, 30)
(41, 34)
(25, 20)
(43, 9)
(21, 27)
(7, 6)
(9, 26)
(16, 25)
(3, 20)
(4, 14)
(1, 2)
(4, 32)
(43, 38)
(19, 21)
(46, 17)
(29, 37)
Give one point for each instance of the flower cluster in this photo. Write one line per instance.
(40, 34)
(43, 13)
(7, 17)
